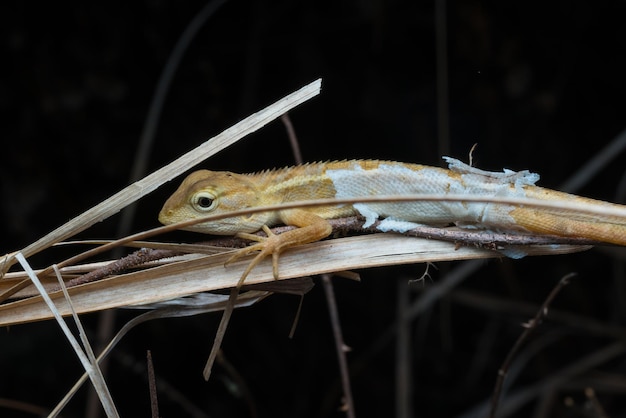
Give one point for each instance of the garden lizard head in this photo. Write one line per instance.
(205, 193)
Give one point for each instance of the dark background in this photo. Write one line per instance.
(538, 85)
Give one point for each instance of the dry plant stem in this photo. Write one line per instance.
(154, 401)
(221, 331)
(135, 259)
(339, 345)
(529, 329)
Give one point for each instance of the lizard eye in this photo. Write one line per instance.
(203, 201)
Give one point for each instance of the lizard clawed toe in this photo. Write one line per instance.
(265, 245)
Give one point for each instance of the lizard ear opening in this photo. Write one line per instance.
(203, 201)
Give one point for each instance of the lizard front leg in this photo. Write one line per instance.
(310, 228)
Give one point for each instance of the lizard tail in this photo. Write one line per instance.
(567, 226)
(569, 222)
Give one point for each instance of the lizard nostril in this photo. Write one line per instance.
(164, 215)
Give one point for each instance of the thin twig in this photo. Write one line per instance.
(296, 318)
(221, 331)
(154, 401)
(293, 139)
(340, 345)
(443, 117)
(403, 353)
(530, 327)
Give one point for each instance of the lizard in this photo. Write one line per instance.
(206, 192)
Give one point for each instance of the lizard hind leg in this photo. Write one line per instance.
(265, 246)
(309, 228)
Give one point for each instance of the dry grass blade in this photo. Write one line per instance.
(91, 368)
(197, 305)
